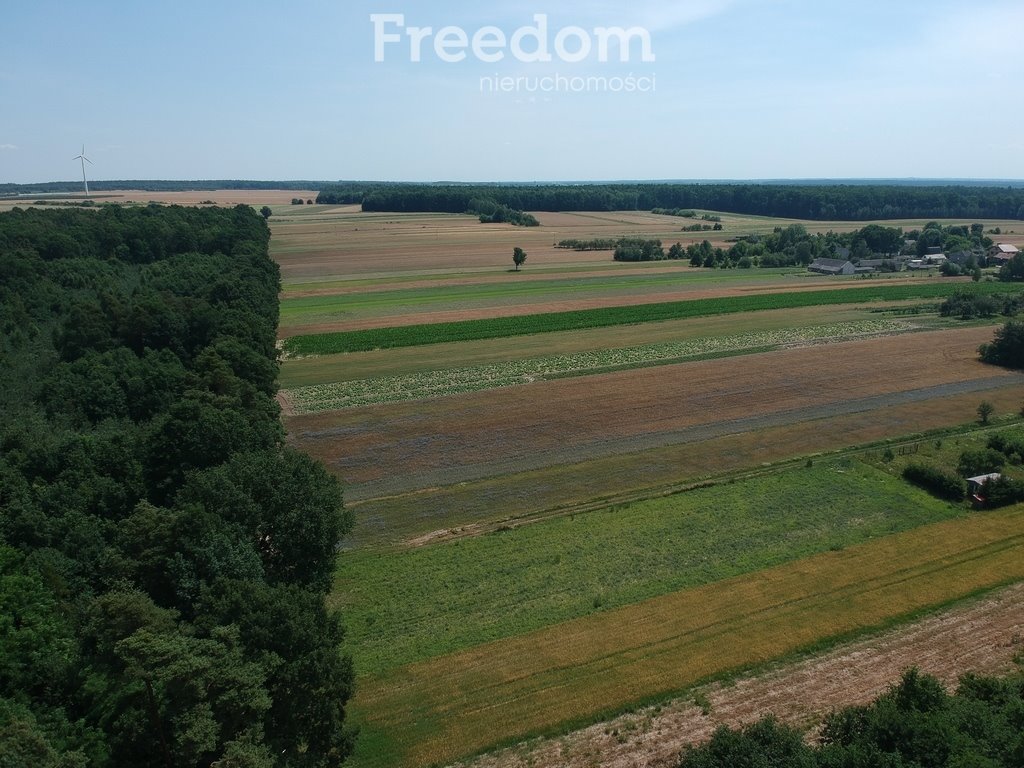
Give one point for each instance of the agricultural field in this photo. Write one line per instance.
(589, 486)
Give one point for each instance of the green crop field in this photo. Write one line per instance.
(408, 605)
(434, 333)
(325, 306)
(577, 671)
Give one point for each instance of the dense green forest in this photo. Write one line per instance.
(915, 725)
(852, 202)
(163, 555)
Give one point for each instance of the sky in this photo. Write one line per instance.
(737, 89)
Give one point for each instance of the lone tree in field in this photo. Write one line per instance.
(265, 212)
(518, 257)
(985, 410)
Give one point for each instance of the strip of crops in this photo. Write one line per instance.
(492, 328)
(570, 673)
(353, 394)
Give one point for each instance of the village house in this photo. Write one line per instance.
(1002, 252)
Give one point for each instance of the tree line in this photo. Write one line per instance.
(164, 556)
(822, 202)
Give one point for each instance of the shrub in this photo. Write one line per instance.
(937, 482)
(1002, 491)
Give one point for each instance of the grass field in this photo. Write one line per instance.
(569, 673)
(405, 606)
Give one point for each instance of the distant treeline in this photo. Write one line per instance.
(153, 186)
(164, 556)
(807, 201)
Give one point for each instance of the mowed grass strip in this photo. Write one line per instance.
(403, 606)
(455, 705)
(469, 330)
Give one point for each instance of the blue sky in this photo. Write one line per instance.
(742, 89)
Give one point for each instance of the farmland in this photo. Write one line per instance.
(572, 483)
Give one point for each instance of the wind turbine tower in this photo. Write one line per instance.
(84, 160)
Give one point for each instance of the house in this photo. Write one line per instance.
(976, 486)
(1002, 252)
(832, 266)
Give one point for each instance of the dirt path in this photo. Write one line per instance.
(982, 636)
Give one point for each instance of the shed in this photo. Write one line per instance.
(832, 266)
(976, 485)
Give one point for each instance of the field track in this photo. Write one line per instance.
(981, 637)
(454, 705)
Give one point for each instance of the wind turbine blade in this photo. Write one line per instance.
(90, 162)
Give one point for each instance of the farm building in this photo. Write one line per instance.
(1002, 252)
(976, 486)
(832, 267)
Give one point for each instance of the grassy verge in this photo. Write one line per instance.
(434, 333)
(581, 670)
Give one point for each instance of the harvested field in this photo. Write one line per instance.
(433, 442)
(344, 242)
(454, 705)
(981, 637)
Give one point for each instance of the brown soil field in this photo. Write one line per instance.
(525, 306)
(981, 637)
(366, 245)
(461, 509)
(561, 421)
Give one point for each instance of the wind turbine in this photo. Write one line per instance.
(84, 160)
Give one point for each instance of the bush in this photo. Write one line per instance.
(937, 482)
(1007, 348)
(980, 462)
(1002, 491)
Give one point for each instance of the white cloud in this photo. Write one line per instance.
(7, 146)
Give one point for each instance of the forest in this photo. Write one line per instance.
(163, 555)
(852, 202)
